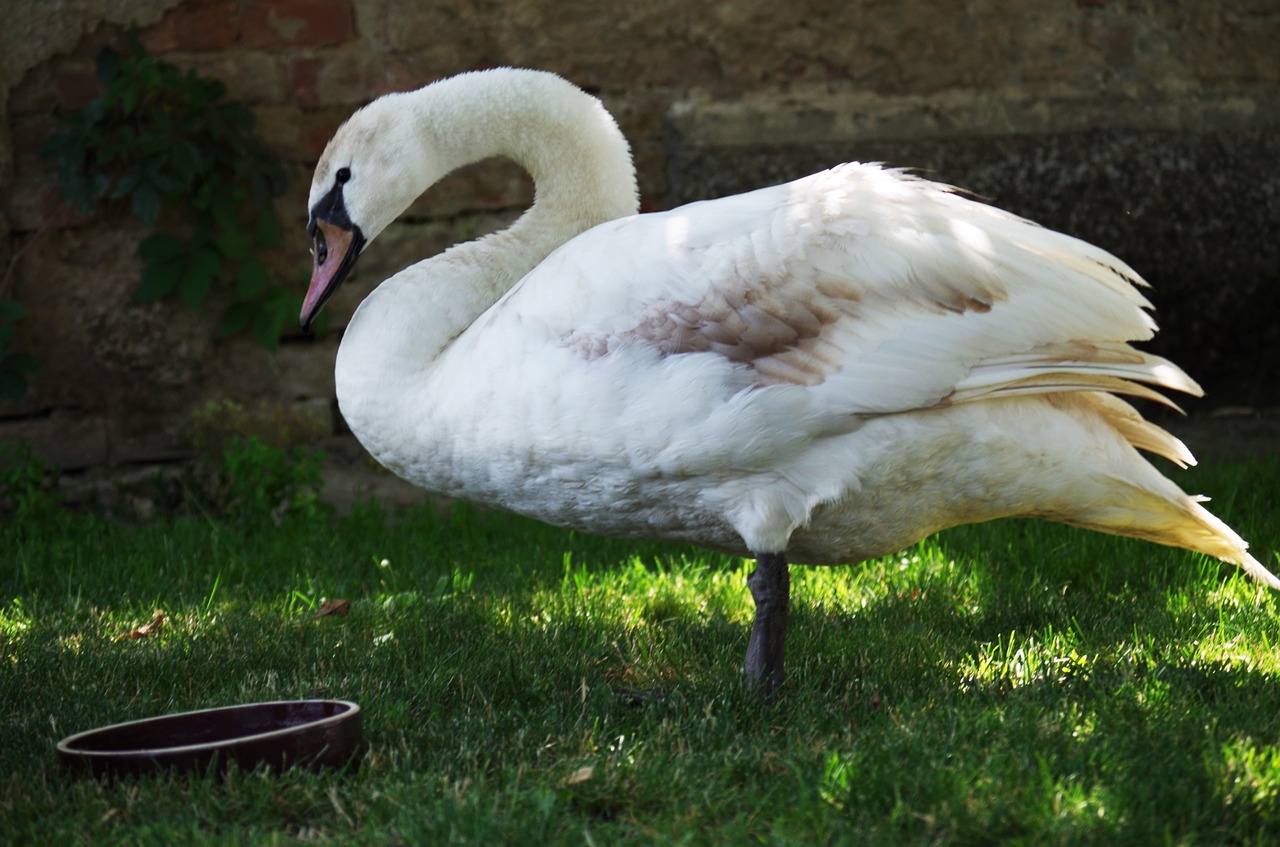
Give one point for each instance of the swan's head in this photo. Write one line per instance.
(369, 173)
(399, 145)
(336, 242)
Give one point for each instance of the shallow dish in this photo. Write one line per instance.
(282, 734)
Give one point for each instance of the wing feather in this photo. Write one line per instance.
(878, 291)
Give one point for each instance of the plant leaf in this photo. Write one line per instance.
(252, 279)
(158, 279)
(268, 323)
(98, 185)
(129, 99)
(107, 68)
(146, 202)
(149, 628)
(187, 160)
(204, 267)
(236, 319)
(268, 231)
(223, 205)
(124, 185)
(162, 247)
(333, 608)
(231, 242)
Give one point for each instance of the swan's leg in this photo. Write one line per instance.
(770, 586)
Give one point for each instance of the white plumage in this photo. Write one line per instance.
(821, 371)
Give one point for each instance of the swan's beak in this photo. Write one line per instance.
(333, 255)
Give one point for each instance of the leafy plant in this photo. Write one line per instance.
(14, 367)
(253, 465)
(163, 139)
(28, 486)
(261, 482)
(217, 424)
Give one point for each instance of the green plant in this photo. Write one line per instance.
(14, 367)
(215, 425)
(254, 465)
(261, 482)
(163, 139)
(28, 485)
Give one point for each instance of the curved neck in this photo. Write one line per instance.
(579, 160)
(583, 176)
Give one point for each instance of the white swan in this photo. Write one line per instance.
(823, 371)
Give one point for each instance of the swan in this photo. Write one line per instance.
(818, 372)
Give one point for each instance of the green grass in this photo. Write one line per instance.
(1012, 683)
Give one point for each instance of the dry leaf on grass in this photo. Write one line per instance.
(151, 627)
(580, 775)
(333, 607)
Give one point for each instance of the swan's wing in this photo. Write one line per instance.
(880, 292)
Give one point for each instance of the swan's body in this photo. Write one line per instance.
(822, 371)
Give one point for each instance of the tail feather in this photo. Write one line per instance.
(1255, 569)
(1207, 534)
(1141, 502)
(1217, 539)
(1112, 367)
(1140, 432)
(1173, 519)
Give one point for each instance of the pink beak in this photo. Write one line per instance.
(334, 252)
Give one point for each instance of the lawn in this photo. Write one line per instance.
(1011, 683)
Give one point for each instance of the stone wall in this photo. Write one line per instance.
(1147, 127)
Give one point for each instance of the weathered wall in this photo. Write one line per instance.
(1147, 127)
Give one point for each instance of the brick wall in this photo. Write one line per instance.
(1098, 116)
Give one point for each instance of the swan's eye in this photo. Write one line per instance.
(342, 175)
(321, 250)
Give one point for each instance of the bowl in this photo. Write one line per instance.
(315, 734)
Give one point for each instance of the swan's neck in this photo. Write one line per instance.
(579, 160)
(582, 172)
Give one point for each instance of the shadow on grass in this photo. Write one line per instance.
(1016, 681)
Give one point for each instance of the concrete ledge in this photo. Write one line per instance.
(826, 116)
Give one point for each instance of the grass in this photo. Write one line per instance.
(1011, 683)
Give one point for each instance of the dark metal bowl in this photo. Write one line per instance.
(308, 733)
